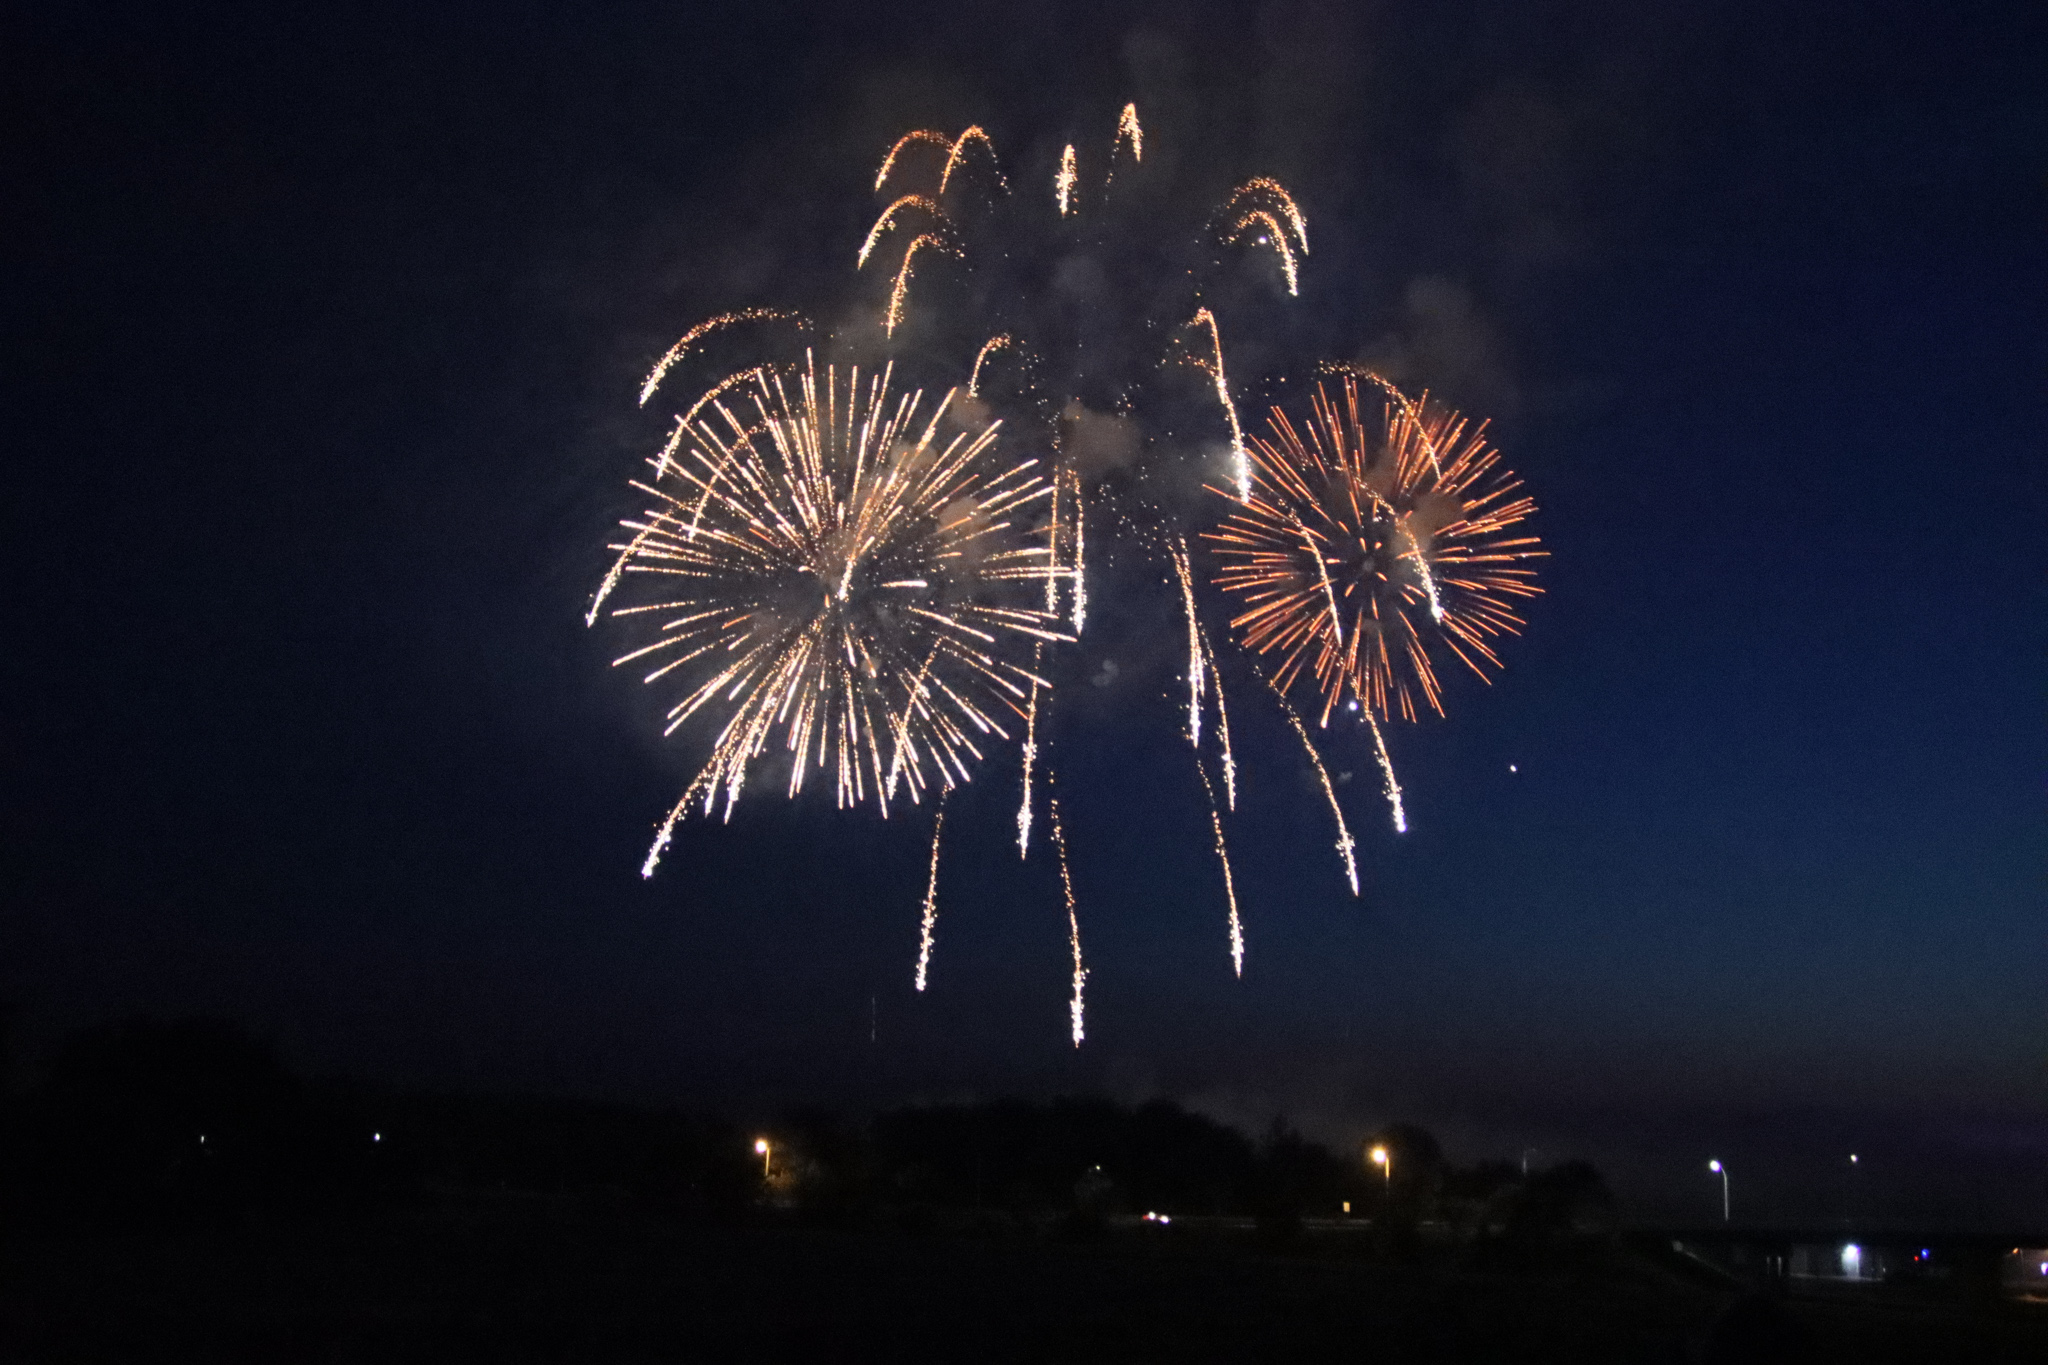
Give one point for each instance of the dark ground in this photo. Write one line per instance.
(516, 1279)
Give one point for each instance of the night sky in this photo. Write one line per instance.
(322, 336)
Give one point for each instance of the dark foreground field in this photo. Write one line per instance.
(519, 1280)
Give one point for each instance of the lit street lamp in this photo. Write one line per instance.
(1718, 1169)
(766, 1153)
(1384, 1159)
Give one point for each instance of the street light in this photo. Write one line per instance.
(1718, 1169)
(1384, 1159)
(762, 1150)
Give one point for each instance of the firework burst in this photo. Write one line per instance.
(1373, 537)
(827, 572)
(833, 577)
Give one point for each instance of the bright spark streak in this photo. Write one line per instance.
(931, 897)
(1222, 726)
(921, 135)
(1426, 574)
(698, 333)
(1274, 237)
(1345, 846)
(1063, 183)
(888, 220)
(1080, 570)
(1059, 839)
(901, 288)
(1389, 785)
(1030, 761)
(1229, 882)
(955, 157)
(1288, 208)
(1198, 672)
(1203, 317)
(1127, 128)
(994, 343)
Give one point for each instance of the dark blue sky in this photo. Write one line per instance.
(321, 342)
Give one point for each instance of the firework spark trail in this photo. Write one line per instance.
(1030, 761)
(1063, 183)
(956, 157)
(931, 897)
(1080, 569)
(1274, 237)
(1408, 405)
(1222, 725)
(1052, 544)
(994, 343)
(702, 330)
(931, 135)
(1059, 840)
(1229, 882)
(888, 220)
(1265, 185)
(1214, 369)
(901, 288)
(1390, 786)
(1425, 573)
(1198, 672)
(1127, 129)
(1345, 847)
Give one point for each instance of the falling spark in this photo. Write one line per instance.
(1030, 761)
(1229, 882)
(1059, 840)
(1389, 784)
(1345, 847)
(1222, 726)
(921, 135)
(994, 343)
(888, 220)
(955, 157)
(1127, 129)
(1063, 183)
(1274, 237)
(902, 286)
(1198, 672)
(1080, 569)
(931, 897)
(1214, 369)
(699, 332)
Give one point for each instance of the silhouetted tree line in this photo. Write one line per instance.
(148, 1123)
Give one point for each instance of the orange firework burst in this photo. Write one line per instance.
(1370, 539)
(827, 569)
